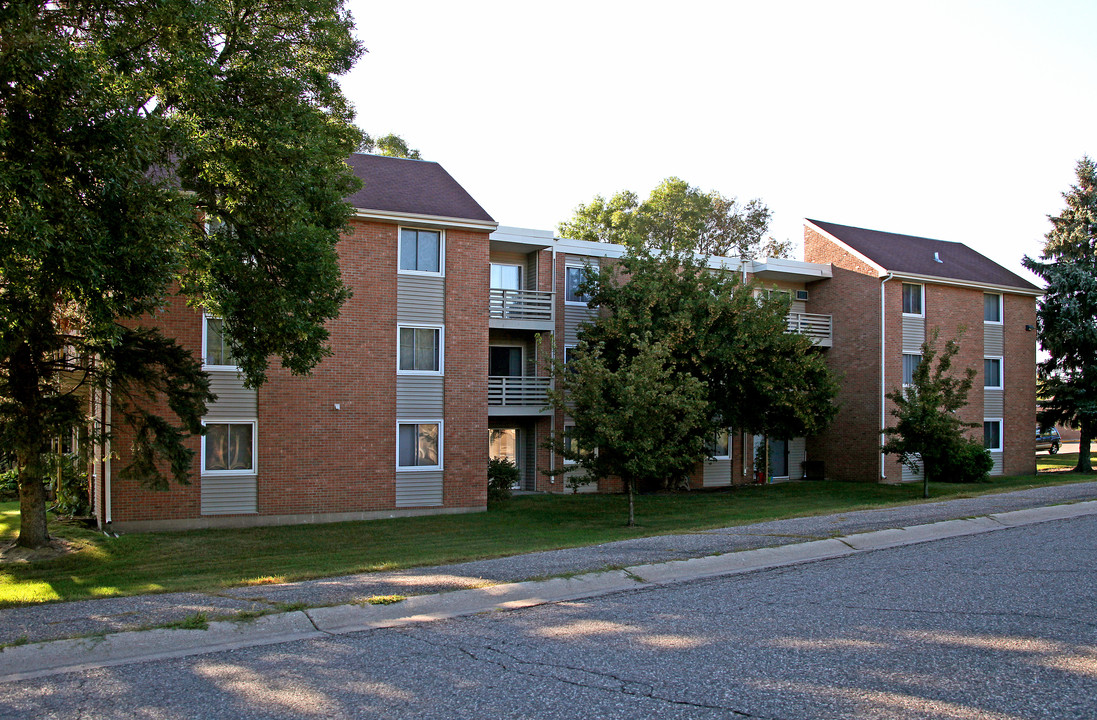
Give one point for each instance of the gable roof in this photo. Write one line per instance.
(411, 187)
(912, 255)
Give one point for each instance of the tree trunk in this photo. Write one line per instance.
(33, 532)
(925, 483)
(1084, 465)
(631, 508)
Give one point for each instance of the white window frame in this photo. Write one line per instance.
(568, 348)
(563, 438)
(582, 268)
(1001, 372)
(1001, 434)
(922, 292)
(441, 252)
(253, 470)
(1001, 310)
(441, 349)
(206, 317)
(441, 444)
(723, 457)
(902, 368)
(521, 348)
(521, 275)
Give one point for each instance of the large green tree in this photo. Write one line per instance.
(391, 145)
(669, 320)
(1066, 316)
(124, 125)
(677, 216)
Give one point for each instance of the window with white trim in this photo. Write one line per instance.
(910, 366)
(992, 308)
(992, 435)
(570, 444)
(506, 277)
(569, 354)
(421, 251)
(216, 351)
(419, 349)
(719, 445)
(419, 445)
(574, 276)
(992, 373)
(228, 448)
(913, 299)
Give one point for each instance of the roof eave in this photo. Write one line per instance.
(439, 221)
(992, 287)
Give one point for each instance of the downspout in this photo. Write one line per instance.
(883, 384)
(556, 342)
(106, 458)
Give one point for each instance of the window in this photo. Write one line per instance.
(718, 446)
(569, 444)
(421, 250)
(504, 361)
(228, 447)
(507, 277)
(419, 445)
(912, 299)
(992, 373)
(215, 346)
(910, 365)
(569, 353)
(992, 308)
(573, 278)
(420, 350)
(992, 435)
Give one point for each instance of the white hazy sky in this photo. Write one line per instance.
(957, 120)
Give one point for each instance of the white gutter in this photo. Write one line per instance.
(428, 220)
(883, 385)
(106, 460)
(991, 287)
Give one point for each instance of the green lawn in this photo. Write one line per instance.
(1060, 462)
(211, 559)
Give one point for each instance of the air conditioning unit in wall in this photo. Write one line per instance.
(801, 294)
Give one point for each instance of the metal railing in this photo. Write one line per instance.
(817, 327)
(525, 391)
(505, 304)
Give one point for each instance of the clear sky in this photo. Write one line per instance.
(956, 120)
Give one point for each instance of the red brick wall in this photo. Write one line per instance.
(466, 381)
(1019, 391)
(958, 312)
(849, 448)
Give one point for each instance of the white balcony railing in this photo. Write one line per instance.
(817, 327)
(521, 391)
(504, 304)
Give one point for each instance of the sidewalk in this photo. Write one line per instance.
(517, 581)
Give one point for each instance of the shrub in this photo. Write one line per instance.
(72, 485)
(9, 485)
(968, 462)
(502, 475)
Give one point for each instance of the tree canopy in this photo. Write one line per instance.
(1066, 316)
(124, 126)
(390, 145)
(677, 216)
(929, 436)
(671, 327)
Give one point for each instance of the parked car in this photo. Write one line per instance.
(1048, 440)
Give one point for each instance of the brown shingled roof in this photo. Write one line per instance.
(916, 255)
(415, 187)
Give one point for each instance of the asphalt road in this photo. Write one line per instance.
(1000, 625)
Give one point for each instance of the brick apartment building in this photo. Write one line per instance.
(440, 362)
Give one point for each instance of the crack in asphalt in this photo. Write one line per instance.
(624, 686)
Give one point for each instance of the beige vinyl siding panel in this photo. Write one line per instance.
(797, 454)
(531, 272)
(914, 334)
(528, 442)
(716, 473)
(234, 401)
(421, 299)
(798, 306)
(997, 457)
(420, 396)
(573, 316)
(228, 495)
(508, 258)
(908, 475)
(419, 489)
(993, 340)
(993, 403)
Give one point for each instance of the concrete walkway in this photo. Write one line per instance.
(115, 629)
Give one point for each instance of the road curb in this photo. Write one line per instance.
(59, 656)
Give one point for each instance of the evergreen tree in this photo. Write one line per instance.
(1066, 316)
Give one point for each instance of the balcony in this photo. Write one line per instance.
(817, 327)
(521, 309)
(517, 395)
